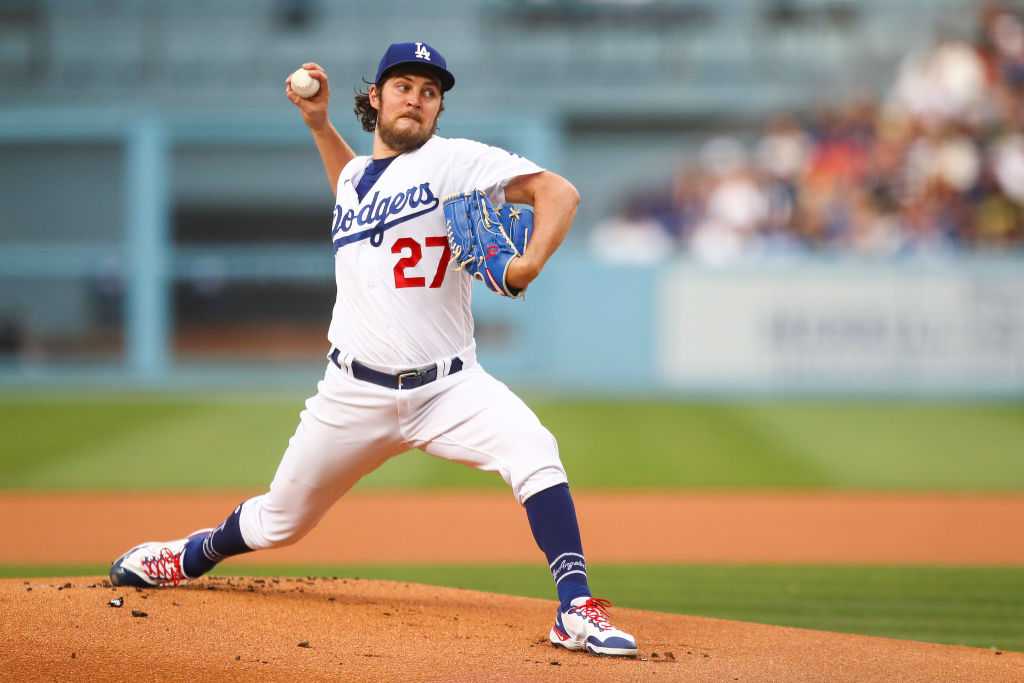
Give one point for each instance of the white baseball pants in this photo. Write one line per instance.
(350, 427)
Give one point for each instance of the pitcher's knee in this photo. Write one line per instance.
(540, 466)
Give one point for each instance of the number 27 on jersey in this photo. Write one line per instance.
(412, 254)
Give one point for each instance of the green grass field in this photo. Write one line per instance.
(154, 441)
(117, 441)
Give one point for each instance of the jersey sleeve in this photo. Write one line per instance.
(487, 168)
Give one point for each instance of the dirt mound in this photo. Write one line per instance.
(348, 629)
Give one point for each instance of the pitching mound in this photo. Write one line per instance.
(345, 629)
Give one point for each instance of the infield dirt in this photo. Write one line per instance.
(489, 528)
(220, 629)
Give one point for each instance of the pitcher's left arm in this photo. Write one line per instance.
(554, 200)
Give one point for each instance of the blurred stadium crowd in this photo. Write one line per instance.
(934, 166)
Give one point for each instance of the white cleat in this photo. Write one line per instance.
(152, 564)
(585, 626)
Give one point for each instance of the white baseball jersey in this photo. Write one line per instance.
(398, 304)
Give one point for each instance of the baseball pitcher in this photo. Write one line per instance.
(413, 226)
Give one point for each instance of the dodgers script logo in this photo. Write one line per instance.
(376, 212)
(569, 565)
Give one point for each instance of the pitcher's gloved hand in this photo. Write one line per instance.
(484, 240)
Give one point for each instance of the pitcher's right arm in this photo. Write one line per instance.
(334, 151)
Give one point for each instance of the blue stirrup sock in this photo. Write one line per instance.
(204, 551)
(553, 522)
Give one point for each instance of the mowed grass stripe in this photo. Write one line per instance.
(153, 443)
(977, 606)
(175, 441)
(912, 442)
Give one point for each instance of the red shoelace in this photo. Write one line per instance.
(595, 610)
(165, 567)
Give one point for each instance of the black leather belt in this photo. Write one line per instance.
(408, 379)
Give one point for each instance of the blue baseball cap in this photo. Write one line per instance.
(415, 53)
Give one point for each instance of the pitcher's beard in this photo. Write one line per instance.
(404, 140)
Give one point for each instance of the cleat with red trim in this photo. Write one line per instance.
(585, 626)
(154, 563)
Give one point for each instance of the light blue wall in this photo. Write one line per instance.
(584, 325)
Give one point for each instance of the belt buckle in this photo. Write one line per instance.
(402, 376)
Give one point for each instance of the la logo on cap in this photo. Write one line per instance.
(422, 52)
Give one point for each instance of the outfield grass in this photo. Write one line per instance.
(151, 441)
(982, 607)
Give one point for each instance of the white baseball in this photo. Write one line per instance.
(303, 84)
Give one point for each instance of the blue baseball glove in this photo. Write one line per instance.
(483, 240)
